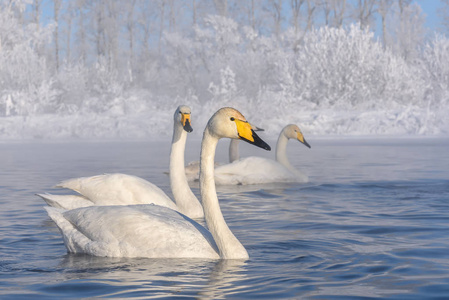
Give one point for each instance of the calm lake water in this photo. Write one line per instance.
(373, 222)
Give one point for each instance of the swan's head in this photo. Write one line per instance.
(230, 123)
(292, 131)
(182, 116)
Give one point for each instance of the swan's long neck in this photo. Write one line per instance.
(281, 151)
(234, 150)
(186, 201)
(228, 245)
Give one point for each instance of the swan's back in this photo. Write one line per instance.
(133, 231)
(118, 189)
(253, 170)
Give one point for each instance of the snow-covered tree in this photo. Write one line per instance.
(408, 30)
(121, 59)
(25, 84)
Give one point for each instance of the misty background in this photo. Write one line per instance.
(118, 69)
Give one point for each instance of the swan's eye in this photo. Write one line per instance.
(232, 119)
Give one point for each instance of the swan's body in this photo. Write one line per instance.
(155, 231)
(123, 189)
(133, 231)
(259, 170)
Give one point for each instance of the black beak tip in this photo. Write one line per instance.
(307, 144)
(259, 142)
(187, 126)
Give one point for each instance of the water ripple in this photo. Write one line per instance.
(362, 228)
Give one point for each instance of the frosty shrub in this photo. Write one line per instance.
(24, 75)
(104, 78)
(72, 81)
(226, 88)
(347, 68)
(223, 36)
(205, 61)
(435, 68)
(326, 69)
(330, 80)
(181, 66)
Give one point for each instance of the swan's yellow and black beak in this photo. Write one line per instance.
(302, 139)
(247, 134)
(185, 121)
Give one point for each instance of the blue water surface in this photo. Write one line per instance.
(373, 222)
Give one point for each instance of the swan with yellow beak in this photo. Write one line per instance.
(160, 232)
(124, 189)
(260, 170)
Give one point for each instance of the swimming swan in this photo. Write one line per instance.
(122, 189)
(259, 170)
(156, 231)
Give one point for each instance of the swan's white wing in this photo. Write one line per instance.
(66, 201)
(133, 231)
(118, 189)
(253, 170)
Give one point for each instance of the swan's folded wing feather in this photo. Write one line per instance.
(66, 201)
(118, 189)
(135, 231)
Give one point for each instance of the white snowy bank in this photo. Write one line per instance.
(149, 123)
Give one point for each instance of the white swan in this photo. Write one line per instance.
(156, 231)
(122, 189)
(259, 170)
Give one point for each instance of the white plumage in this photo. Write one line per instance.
(133, 231)
(259, 170)
(123, 189)
(155, 231)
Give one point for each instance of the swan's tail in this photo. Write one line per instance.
(65, 201)
(73, 240)
(73, 183)
(55, 214)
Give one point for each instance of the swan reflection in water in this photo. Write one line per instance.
(203, 279)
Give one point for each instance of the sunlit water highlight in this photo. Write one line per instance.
(372, 222)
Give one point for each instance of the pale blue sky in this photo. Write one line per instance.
(429, 7)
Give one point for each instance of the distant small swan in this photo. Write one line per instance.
(156, 231)
(259, 170)
(123, 189)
